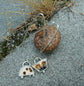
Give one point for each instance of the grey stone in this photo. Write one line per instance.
(64, 63)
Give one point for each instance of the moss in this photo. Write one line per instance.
(15, 39)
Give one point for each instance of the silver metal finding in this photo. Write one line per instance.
(25, 63)
(42, 16)
(37, 59)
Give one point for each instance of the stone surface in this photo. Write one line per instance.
(49, 41)
(65, 64)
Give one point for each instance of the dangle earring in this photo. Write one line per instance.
(26, 69)
(40, 64)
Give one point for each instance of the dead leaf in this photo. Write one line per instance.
(32, 27)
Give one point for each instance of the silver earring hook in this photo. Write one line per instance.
(37, 59)
(25, 63)
(42, 16)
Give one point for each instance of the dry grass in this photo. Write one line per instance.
(47, 7)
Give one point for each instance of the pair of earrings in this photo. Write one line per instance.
(39, 64)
